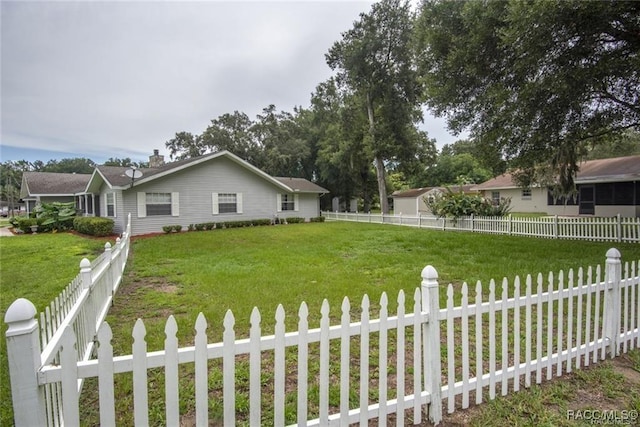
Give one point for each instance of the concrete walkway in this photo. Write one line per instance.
(4, 232)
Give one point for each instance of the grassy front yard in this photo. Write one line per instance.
(210, 272)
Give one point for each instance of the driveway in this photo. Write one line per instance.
(5, 232)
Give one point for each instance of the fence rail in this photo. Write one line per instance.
(603, 229)
(331, 372)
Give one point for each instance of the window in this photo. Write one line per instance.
(225, 203)
(110, 202)
(526, 194)
(155, 204)
(615, 193)
(287, 204)
(158, 203)
(495, 197)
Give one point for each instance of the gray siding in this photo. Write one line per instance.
(195, 186)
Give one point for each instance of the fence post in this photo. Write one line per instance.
(555, 226)
(619, 228)
(510, 225)
(23, 351)
(612, 302)
(472, 226)
(431, 342)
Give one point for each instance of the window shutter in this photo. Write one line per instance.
(296, 206)
(279, 202)
(214, 203)
(239, 202)
(115, 206)
(175, 204)
(105, 209)
(142, 205)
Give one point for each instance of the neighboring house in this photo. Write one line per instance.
(49, 187)
(212, 188)
(412, 202)
(605, 187)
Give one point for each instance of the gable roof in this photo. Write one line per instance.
(601, 170)
(115, 177)
(53, 184)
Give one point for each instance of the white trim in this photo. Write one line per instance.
(142, 204)
(239, 203)
(296, 204)
(175, 204)
(278, 202)
(214, 204)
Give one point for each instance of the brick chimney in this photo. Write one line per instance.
(156, 160)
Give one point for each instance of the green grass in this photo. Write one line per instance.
(37, 267)
(187, 273)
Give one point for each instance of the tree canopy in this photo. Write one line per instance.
(537, 79)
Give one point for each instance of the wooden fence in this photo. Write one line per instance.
(603, 229)
(389, 367)
(81, 308)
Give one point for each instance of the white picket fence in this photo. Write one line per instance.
(354, 371)
(81, 308)
(603, 229)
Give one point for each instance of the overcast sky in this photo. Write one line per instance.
(119, 79)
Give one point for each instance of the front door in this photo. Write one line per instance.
(587, 200)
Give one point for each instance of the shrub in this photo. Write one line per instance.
(56, 215)
(93, 226)
(191, 227)
(167, 228)
(199, 227)
(177, 228)
(264, 221)
(456, 204)
(317, 219)
(24, 223)
(295, 220)
(209, 225)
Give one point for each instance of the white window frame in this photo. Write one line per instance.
(280, 202)
(215, 203)
(495, 197)
(107, 204)
(142, 203)
(526, 194)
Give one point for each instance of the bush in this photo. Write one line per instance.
(177, 228)
(93, 226)
(456, 204)
(209, 225)
(191, 227)
(199, 227)
(167, 228)
(295, 220)
(264, 221)
(317, 219)
(24, 223)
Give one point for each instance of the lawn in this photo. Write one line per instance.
(210, 272)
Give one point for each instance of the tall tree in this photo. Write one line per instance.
(70, 165)
(184, 145)
(374, 61)
(538, 79)
(115, 161)
(233, 132)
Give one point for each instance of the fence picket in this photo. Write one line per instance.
(560, 328)
(625, 313)
(201, 372)
(465, 345)
(451, 356)
(596, 322)
(255, 367)
(570, 319)
(479, 343)
(539, 326)
(383, 360)
(279, 368)
(364, 361)
(171, 372)
(229, 369)
(528, 325)
(303, 368)
(345, 362)
(505, 337)
(140, 396)
(579, 319)
(492, 339)
(516, 335)
(324, 365)
(400, 345)
(69, 363)
(105, 376)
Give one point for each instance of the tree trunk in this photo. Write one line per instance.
(379, 163)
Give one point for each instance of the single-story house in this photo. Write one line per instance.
(412, 202)
(605, 187)
(216, 187)
(49, 187)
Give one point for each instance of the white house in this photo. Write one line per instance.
(605, 187)
(216, 187)
(49, 187)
